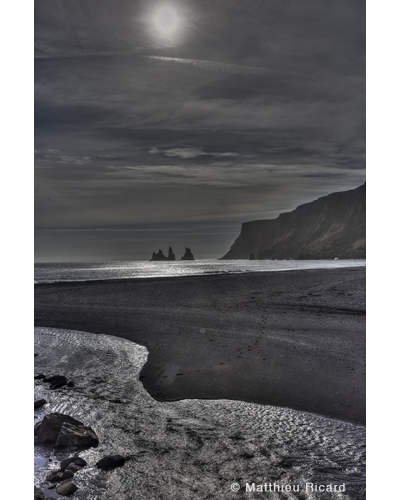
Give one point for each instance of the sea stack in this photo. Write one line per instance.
(160, 257)
(171, 255)
(188, 255)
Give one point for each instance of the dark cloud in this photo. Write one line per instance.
(251, 109)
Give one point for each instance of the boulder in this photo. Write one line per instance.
(74, 468)
(110, 462)
(78, 461)
(58, 382)
(76, 436)
(55, 477)
(68, 474)
(66, 488)
(39, 376)
(39, 495)
(64, 431)
(39, 403)
(50, 378)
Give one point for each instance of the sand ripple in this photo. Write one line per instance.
(191, 449)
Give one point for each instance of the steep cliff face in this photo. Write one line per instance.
(332, 226)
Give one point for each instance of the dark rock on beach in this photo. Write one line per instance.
(76, 436)
(110, 462)
(188, 255)
(50, 378)
(47, 430)
(68, 462)
(64, 431)
(39, 376)
(68, 474)
(39, 403)
(66, 488)
(74, 468)
(38, 494)
(55, 477)
(58, 382)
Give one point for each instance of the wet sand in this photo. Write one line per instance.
(294, 339)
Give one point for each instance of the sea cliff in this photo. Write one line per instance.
(330, 227)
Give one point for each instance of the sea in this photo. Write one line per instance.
(55, 272)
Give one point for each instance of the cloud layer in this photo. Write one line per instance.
(253, 109)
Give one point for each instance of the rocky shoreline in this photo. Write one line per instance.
(188, 449)
(60, 431)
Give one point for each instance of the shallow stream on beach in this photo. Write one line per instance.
(190, 449)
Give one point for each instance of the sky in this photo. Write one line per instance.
(163, 123)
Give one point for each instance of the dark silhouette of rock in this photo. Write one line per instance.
(76, 436)
(68, 474)
(332, 226)
(77, 461)
(188, 255)
(70, 384)
(110, 462)
(39, 403)
(50, 378)
(66, 488)
(171, 255)
(55, 477)
(252, 256)
(62, 430)
(74, 468)
(39, 495)
(58, 382)
(160, 257)
(55, 381)
(39, 376)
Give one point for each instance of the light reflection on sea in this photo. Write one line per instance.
(47, 273)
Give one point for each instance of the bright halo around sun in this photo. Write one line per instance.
(166, 21)
(169, 23)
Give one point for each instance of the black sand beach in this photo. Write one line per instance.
(293, 338)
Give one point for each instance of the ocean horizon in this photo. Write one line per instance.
(93, 271)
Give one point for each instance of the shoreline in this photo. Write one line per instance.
(288, 338)
(190, 448)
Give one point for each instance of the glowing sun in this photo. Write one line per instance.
(166, 20)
